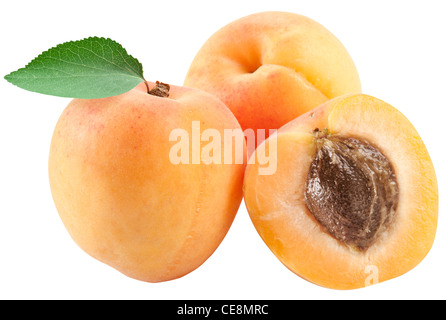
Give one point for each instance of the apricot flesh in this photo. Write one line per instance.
(121, 198)
(278, 209)
(271, 67)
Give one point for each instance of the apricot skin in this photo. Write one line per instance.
(122, 200)
(272, 67)
(277, 207)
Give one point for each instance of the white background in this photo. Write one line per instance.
(398, 48)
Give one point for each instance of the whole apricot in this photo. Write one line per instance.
(120, 196)
(271, 67)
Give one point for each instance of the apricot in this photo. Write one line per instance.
(123, 200)
(354, 199)
(272, 67)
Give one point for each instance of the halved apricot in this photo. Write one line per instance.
(354, 198)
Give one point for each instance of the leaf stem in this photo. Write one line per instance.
(147, 85)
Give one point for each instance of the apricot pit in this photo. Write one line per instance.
(351, 189)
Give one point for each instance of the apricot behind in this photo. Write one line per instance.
(271, 67)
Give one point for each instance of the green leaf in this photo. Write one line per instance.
(88, 69)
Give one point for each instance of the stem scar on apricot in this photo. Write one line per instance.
(160, 90)
(351, 189)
